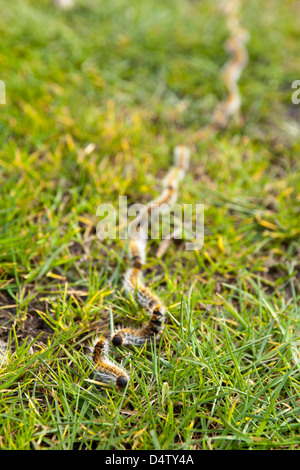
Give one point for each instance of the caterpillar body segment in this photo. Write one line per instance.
(107, 371)
(168, 196)
(133, 283)
(148, 300)
(177, 172)
(155, 325)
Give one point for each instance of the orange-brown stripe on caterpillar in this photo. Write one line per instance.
(169, 194)
(137, 253)
(182, 158)
(105, 368)
(127, 336)
(133, 283)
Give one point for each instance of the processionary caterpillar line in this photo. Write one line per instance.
(133, 280)
(134, 284)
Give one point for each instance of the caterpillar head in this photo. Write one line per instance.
(121, 382)
(117, 339)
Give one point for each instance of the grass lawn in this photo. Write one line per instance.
(96, 99)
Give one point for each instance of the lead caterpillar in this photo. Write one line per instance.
(134, 284)
(107, 370)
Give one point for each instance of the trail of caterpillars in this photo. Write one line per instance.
(134, 282)
(228, 109)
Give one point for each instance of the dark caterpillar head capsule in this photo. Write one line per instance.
(121, 381)
(117, 340)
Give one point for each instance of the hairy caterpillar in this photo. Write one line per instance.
(105, 368)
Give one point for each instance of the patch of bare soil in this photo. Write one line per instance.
(31, 325)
